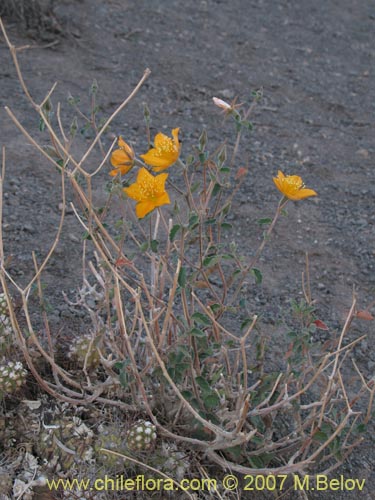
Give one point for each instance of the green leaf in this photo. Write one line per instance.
(195, 186)
(210, 221)
(189, 160)
(247, 124)
(42, 125)
(94, 87)
(258, 275)
(173, 232)
(225, 170)
(203, 384)
(211, 260)
(226, 225)
(245, 323)
(193, 221)
(235, 451)
(211, 400)
(182, 277)
(203, 157)
(361, 428)
(201, 319)
(86, 235)
(227, 256)
(264, 221)
(215, 307)
(256, 462)
(73, 127)
(154, 245)
(187, 395)
(144, 246)
(320, 436)
(226, 209)
(196, 332)
(202, 141)
(216, 189)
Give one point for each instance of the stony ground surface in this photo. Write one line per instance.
(314, 62)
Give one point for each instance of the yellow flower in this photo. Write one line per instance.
(122, 159)
(165, 152)
(292, 187)
(149, 191)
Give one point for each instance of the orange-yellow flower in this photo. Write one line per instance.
(165, 152)
(292, 187)
(122, 159)
(149, 191)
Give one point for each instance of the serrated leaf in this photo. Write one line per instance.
(196, 332)
(201, 319)
(211, 400)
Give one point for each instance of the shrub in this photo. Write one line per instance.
(172, 339)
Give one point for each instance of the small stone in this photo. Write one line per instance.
(28, 228)
(363, 153)
(73, 238)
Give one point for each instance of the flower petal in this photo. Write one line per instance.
(133, 192)
(160, 182)
(120, 170)
(175, 132)
(153, 158)
(143, 208)
(163, 199)
(304, 193)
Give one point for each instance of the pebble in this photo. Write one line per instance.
(28, 228)
(363, 153)
(74, 238)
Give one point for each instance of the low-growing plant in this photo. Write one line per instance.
(172, 340)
